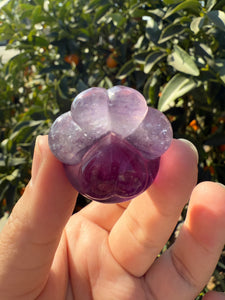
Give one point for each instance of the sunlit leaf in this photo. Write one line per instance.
(3, 3)
(21, 134)
(141, 57)
(152, 59)
(126, 69)
(152, 86)
(13, 175)
(118, 19)
(169, 2)
(210, 4)
(183, 62)
(169, 32)
(152, 30)
(175, 88)
(218, 18)
(193, 5)
(203, 50)
(197, 24)
(219, 66)
(100, 12)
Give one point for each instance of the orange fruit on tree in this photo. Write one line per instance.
(27, 71)
(210, 169)
(4, 202)
(222, 148)
(214, 129)
(194, 125)
(21, 191)
(123, 80)
(72, 59)
(111, 61)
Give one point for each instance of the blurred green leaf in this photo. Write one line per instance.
(23, 131)
(193, 5)
(219, 66)
(39, 41)
(203, 50)
(138, 13)
(169, 2)
(218, 18)
(152, 59)
(151, 88)
(197, 24)
(13, 162)
(175, 88)
(3, 3)
(101, 11)
(126, 69)
(141, 57)
(183, 62)
(13, 175)
(26, 10)
(118, 19)
(210, 4)
(169, 32)
(152, 30)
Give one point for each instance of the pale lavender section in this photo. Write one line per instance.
(67, 139)
(90, 111)
(153, 136)
(127, 108)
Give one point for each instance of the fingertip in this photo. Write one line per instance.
(211, 195)
(41, 152)
(184, 150)
(206, 214)
(191, 147)
(177, 173)
(214, 296)
(181, 157)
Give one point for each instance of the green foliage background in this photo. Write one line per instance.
(172, 51)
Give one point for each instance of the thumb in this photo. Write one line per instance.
(214, 296)
(30, 238)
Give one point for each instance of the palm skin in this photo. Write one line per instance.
(109, 251)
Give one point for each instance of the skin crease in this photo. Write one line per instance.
(108, 251)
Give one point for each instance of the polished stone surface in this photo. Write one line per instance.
(110, 143)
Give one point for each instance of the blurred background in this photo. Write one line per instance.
(172, 51)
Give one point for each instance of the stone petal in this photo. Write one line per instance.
(67, 140)
(90, 111)
(153, 136)
(127, 109)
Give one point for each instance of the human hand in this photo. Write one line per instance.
(109, 251)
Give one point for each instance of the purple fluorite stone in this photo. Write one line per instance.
(110, 143)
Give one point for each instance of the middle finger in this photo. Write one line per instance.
(146, 224)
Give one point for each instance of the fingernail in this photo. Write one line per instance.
(192, 146)
(37, 158)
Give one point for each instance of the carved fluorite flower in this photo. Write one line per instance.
(110, 143)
